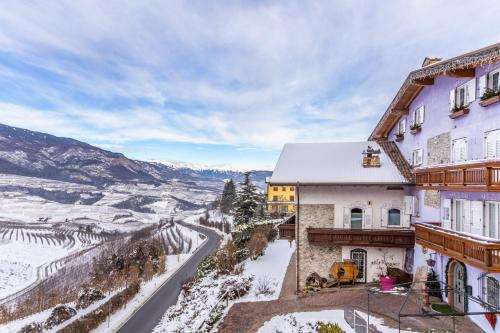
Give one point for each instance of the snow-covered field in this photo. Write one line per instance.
(34, 202)
(305, 322)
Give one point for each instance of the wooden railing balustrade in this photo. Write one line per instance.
(287, 231)
(475, 251)
(483, 176)
(401, 238)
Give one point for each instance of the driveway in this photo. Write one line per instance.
(149, 315)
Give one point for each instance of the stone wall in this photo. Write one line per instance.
(313, 258)
(439, 149)
(432, 198)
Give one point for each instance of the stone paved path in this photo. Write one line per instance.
(288, 288)
(249, 317)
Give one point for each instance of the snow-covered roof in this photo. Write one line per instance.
(333, 163)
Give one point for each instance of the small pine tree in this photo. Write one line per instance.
(228, 197)
(247, 202)
(433, 284)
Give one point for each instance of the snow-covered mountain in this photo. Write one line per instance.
(28, 153)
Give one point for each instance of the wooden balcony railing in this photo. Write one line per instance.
(403, 238)
(475, 251)
(287, 231)
(483, 177)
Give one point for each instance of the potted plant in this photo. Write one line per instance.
(387, 282)
(324, 282)
(399, 136)
(415, 128)
(490, 96)
(458, 111)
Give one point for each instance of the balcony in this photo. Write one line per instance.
(401, 238)
(479, 177)
(287, 229)
(475, 251)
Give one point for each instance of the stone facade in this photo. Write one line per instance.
(314, 258)
(438, 149)
(432, 198)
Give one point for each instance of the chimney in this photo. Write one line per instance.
(430, 60)
(371, 158)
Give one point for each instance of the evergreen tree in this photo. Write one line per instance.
(228, 197)
(247, 201)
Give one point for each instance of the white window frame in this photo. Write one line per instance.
(489, 77)
(419, 115)
(469, 89)
(457, 89)
(463, 154)
(487, 215)
(402, 126)
(496, 148)
(414, 157)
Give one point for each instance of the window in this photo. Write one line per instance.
(292, 198)
(394, 217)
(493, 80)
(492, 144)
(492, 218)
(463, 95)
(402, 126)
(275, 188)
(417, 157)
(292, 189)
(459, 150)
(275, 198)
(283, 188)
(356, 218)
(492, 288)
(285, 208)
(418, 116)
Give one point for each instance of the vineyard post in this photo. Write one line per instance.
(109, 314)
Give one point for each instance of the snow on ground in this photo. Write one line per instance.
(270, 267)
(305, 322)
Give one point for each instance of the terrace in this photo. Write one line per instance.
(476, 251)
(479, 177)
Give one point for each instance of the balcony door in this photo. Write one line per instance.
(459, 279)
(462, 215)
(356, 218)
(492, 219)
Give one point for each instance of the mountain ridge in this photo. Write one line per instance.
(29, 153)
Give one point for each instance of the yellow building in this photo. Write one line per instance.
(280, 199)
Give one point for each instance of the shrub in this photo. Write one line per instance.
(87, 296)
(226, 258)
(59, 315)
(257, 245)
(206, 266)
(235, 287)
(32, 328)
(264, 286)
(322, 327)
(432, 283)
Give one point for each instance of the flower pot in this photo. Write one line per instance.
(415, 130)
(489, 101)
(459, 113)
(431, 262)
(387, 282)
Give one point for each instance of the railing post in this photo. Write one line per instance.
(489, 176)
(463, 177)
(487, 257)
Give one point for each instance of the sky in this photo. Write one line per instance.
(220, 83)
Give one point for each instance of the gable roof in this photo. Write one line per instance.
(417, 79)
(333, 163)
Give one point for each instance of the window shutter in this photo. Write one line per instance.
(405, 220)
(421, 115)
(459, 152)
(477, 218)
(420, 157)
(446, 214)
(408, 205)
(492, 144)
(471, 91)
(483, 84)
(384, 216)
(347, 218)
(414, 206)
(367, 218)
(452, 99)
(402, 126)
(466, 216)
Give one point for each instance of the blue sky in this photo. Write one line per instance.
(223, 83)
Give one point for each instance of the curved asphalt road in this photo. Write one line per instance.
(149, 315)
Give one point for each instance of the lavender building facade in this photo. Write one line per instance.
(445, 120)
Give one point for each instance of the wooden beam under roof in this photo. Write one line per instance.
(401, 112)
(428, 81)
(461, 72)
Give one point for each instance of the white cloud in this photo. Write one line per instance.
(249, 74)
